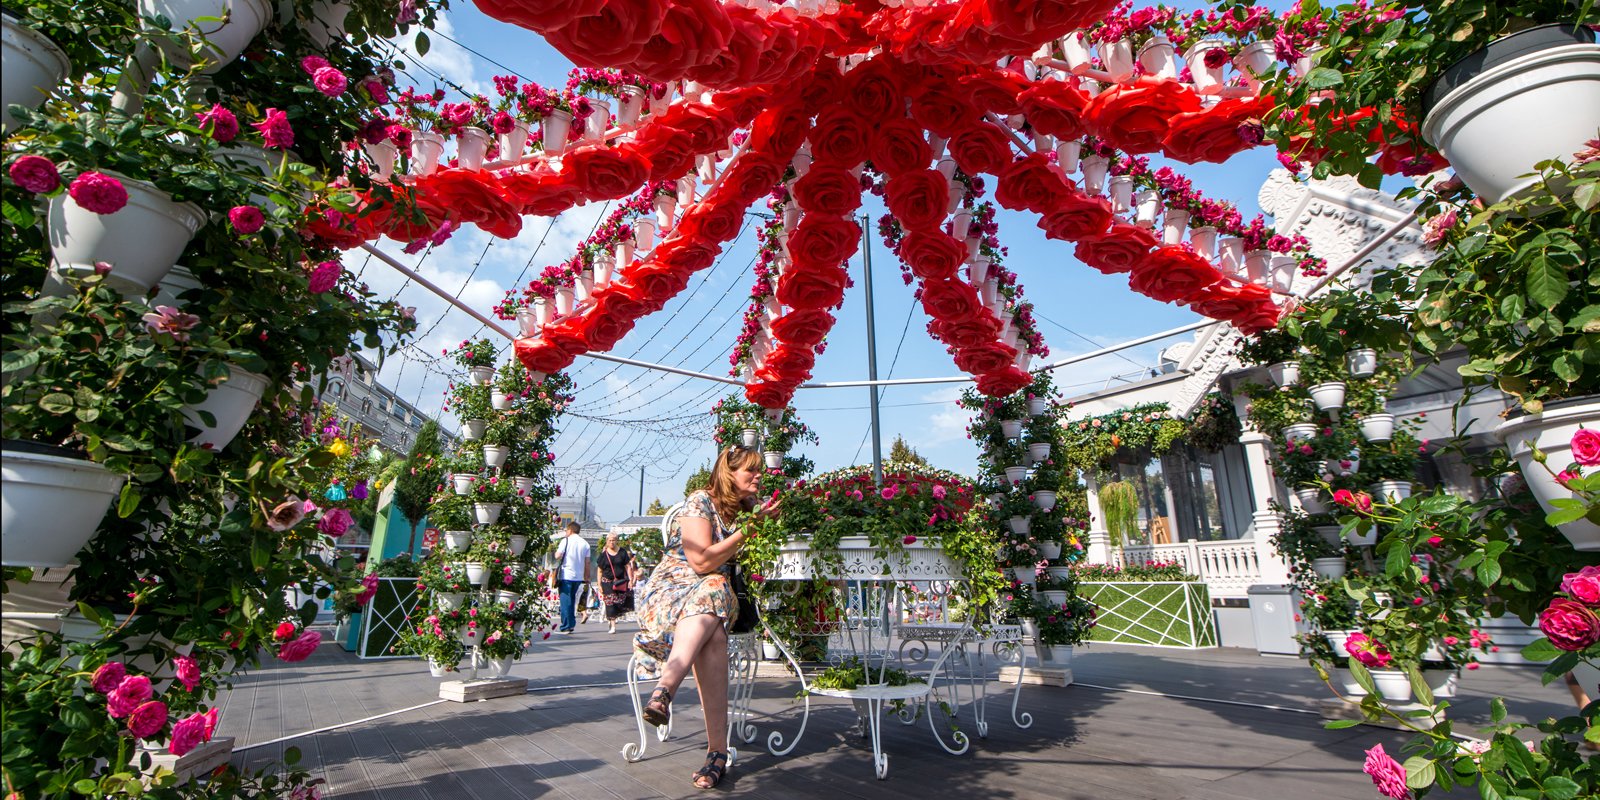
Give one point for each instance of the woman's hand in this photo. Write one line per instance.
(771, 507)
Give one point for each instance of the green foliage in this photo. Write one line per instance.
(476, 353)
(656, 509)
(1270, 346)
(1132, 573)
(1119, 506)
(699, 479)
(422, 472)
(903, 453)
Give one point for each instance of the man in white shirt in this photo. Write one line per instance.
(573, 567)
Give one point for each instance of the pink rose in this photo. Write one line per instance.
(335, 522)
(275, 130)
(224, 126)
(1387, 774)
(188, 734)
(132, 691)
(211, 721)
(503, 123)
(301, 648)
(283, 631)
(325, 276)
(1368, 651)
(311, 64)
(1570, 624)
(98, 192)
(188, 671)
(108, 677)
(246, 219)
(1586, 447)
(910, 539)
(148, 719)
(1566, 477)
(1583, 585)
(35, 174)
(329, 81)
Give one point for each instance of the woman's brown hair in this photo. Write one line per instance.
(724, 495)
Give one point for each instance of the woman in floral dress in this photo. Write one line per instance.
(687, 604)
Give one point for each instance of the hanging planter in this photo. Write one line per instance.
(141, 241)
(1376, 427)
(1551, 432)
(523, 484)
(506, 598)
(227, 25)
(327, 22)
(52, 503)
(1039, 451)
(1059, 573)
(481, 375)
(450, 601)
(1329, 568)
(1050, 550)
(1329, 534)
(383, 155)
(472, 429)
(499, 401)
(1117, 57)
(463, 482)
(749, 437)
(1367, 539)
(427, 148)
(495, 454)
(1025, 574)
(1362, 362)
(229, 404)
(553, 131)
(1443, 683)
(1061, 655)
(518, 543)
(1328, 396)
(1045, 500)
(1300, 431)
(513, 143)
(487, 513)
(1311, 501)
(1395, 491)
(1037, 406)
(440, 670)
(1255, 61)
(1159, 58)
(1012, 428)
(1207, 79)
(458, 541)
(1054, 597)
(34, 67)
(1347, 466)
(1478, 111)
(1016, 474)
(1284, 373)
(774, 459)
(472, 144)
(476, 572)
(1020, 525)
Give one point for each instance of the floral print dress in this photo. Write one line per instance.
(674, 590)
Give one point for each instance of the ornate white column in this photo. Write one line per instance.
(1263, 490)
(1099, 547)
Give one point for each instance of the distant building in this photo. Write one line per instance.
(578, 508)
(351, 384)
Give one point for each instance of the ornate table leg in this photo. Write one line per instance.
(775, 739)
(742, 685)
(631, 751)
(880, 759)
(962, 743)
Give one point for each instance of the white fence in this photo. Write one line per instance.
(1228, 568)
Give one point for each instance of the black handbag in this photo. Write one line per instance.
(749, 617)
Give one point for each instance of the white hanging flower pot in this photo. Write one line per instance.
(1094, 174)
(1046, 500)
(229, 404)
(518, 542)
(427, 148)
(644, 233)
(1148, 209)
(1174, 223)
(141, 241)
(52, 505)
(1551, 431)
(1230, 255)
(960, 224)
(749, 437)
(1159, 58)
(1257, 267)
(553, 131)
(1204, 241)
(383, 155)
(522, 483)
(1254, 62)
(666, 206)
(494, 455)
(1037, 406)
(1117, 57)
(541, 310)
(458, 541)
(1311, 500)
(34, 67)
(1328, 396)
(631, 105)
(1039, 451)
(472, 429)
(512, 144)
(462, 482)
(1362, 362)
(1329, 534)
(1025, 575)
(1349, 465)
(1011, 428)
(598, 121)
(1121, 194)
(1050, 550)
(1020, 525)
(1367, 539)
(227, 25)
(1284, 373)
(1479, 112)
(774, 459)
(1393, 491)
(499, 400)
(476, 571)
(527, 322)
(1055, 598)
(1299, 432)
(480, 375)
(1377, 427)
(1207, 80)
(1075, 52)
(486, 514)
(564, 300)
(1329, 568)
(1283, 269)
(1016, 474)
(449, 601)
(472, 144)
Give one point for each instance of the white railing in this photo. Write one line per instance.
(1229, 568)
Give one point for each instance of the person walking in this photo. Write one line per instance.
(687, 603)
(573, 571)
(616, 579)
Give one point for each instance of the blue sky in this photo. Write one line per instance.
(635, 418)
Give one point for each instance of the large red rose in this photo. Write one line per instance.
(872, 91)
(668, 153)
(839, 137)
(995, 90)
(712, 222)
(740, 56)
(932, 255)
(685, 256)
(604, 328)
(823, 241)
(1135, 117)
(779, 131)
(828, 190)
(1173, 273)
(1031, 183)
(990, 357)
(804, 327)
(652, 285)
(752, 176)
(1228, 300)
(898, 147)
(822, 86)
(605, 173)
(1055, 108)
(538, 16)
(1214, 133)
(943, 111)
(1004, 383)
(981, 147)
(540, 355)
(1263, 317)
(567, 333)
(918, 199)
(616, 34)
(1118, 250)
(545, 194)
(692, 32)
(812, 288)
(788, 363)
(706, 124)
(969, 332)
(473, 196)
(1077, 216)
(768, 395)
(950, 299)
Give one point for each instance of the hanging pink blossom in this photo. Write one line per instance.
(246, 219)
(325, 276)
(98, 192)
(275, 130)
(35, 174)
(220, 123)
(330, 81)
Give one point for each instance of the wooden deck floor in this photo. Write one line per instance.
(1140, 723)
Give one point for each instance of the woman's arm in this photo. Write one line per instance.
(703, 555)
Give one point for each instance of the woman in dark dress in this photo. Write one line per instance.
(616, 579)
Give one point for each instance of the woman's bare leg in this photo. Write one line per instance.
(688, 638)
(711, 679)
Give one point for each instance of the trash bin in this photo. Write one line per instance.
(1272, 612)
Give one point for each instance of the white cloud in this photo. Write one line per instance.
(948, 423)
(444, 57)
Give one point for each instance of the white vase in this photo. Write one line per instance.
(1204, 241)
(480, 376)
(227, 25)
(1117, 57)
(1362, 362)
(630, 105)
(1174, 223)
(1020, 525)
(494, 455)
(523, 484)
(1328, 396)
(506, 598)
(499, 400)
(1483, 126)
(383, 155)
(472, 144)
(978, 272)
(1068, 155)
(565, 297)
(476, 572)
(1284, 373)
(666, 206)
(52, 506)
(1377, 427)
(542, 310)
(1300, 431)
(458, 541)
(1016, 474)
(487, 513)
(1230, 255)
(34, 67)
(1393, 685)
(1158, 58)
(1025, 575)
(749, 437)
(141, 241)
(1011, 428)
(1045, 500)
(1329, 568)
(427, 148)
(1207, 80)
(230, 404)
(553, 131)
(1551, 432)
(1255, 61)
(1050, 550)
(1393, 491)
(1147, 209)
(514, 143)
(1258, 267)
(463, 482)
(1283, 269)
(518, 543)
(1039, 451)
(1330, 534)
(1311, 500)
(599, 120)
(1061, 655)
(774, 459)
(1094, 174)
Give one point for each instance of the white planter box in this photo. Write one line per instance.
(141, 241)
(52, 506)
(230, 405)
(34, 67)
(458, 541)
(860, 561)
(1552, 431)
(1044, 499)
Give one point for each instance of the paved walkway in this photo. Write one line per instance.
(1140, 723)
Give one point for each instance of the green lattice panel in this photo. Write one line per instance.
(1160, 614)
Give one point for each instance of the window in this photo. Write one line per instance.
(366, 405)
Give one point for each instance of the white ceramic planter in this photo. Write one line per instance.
(1025, 575)
(1394, 491)
(1311, 500)
(1016, 474)
(472, 144)
(1207, 80)
(458, 541)
(472, 429)
(481, 375)
(1300, 431)
(523, 484)
(1204, 241)
(1037, 406)
(1039, 451)
(1377, 427)
(749, 437)
(1328, 396)
(1061, 655)
(1329, 534)
(514, 143)
(487, 513)
(438, 670)
(476, 572)
(34, 67)
(1117, 57)
(1336, 640)
(450, 601)
(499, 667)
(1094, 174)
(1346, 681)
(553, 131)
(383, 155)
(1045, 500)
(518, 542)
(1284, 373)
(1050, 550)
(1159, 58)
(1330, 568)
(1054, 597)
(1058, 572)
(1443, 683)
(227, 25)
(1362, 362)
(1020, 525)
(229, 404)
(1483, 126)
(463, 482)
(327, 22)
(774, 459)
(495, 454)
(1255, 61)
(1393, 685)
(1011, 428)
(141, 241)
(427, 148)
(1551, 432)
(52, 506)
(1367, 539)
(499, 400)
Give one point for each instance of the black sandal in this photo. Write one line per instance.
(714, 770)
(658, 711)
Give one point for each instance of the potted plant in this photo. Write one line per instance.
(489, 498)
(1119, 507)
(1063, 624)
(1274, 348)
(471, 404)
(1324, 377)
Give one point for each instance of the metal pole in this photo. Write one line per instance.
(641, 490)
(872, 349)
